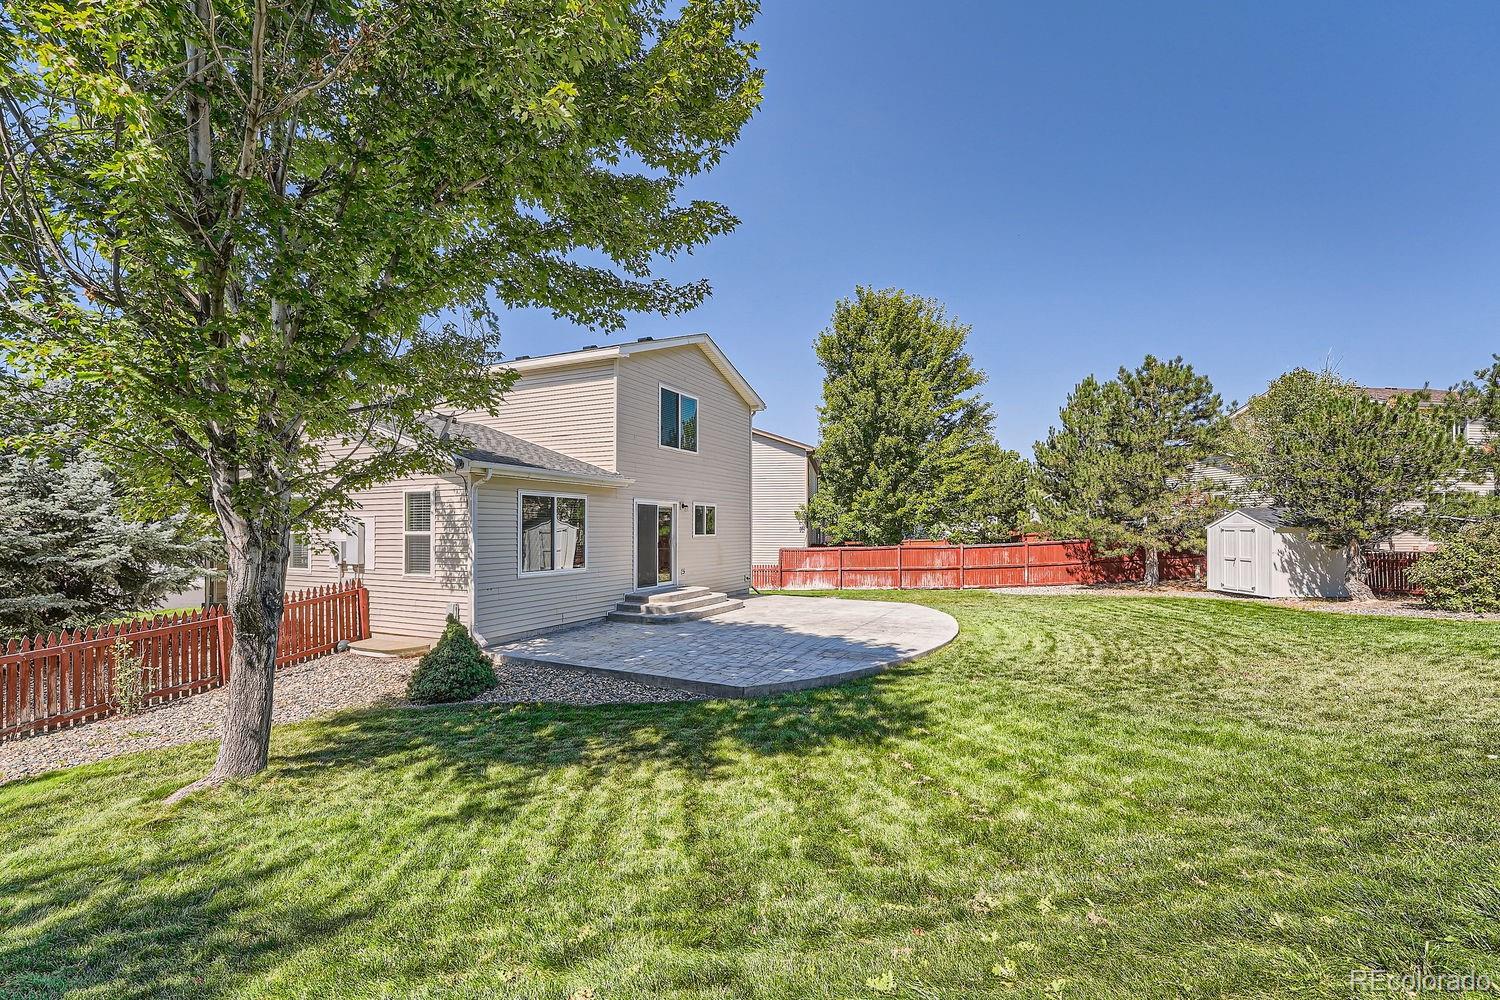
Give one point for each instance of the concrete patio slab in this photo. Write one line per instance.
(771, 645)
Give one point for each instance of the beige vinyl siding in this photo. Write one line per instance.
(508, 605)
(570, 410)
(782, 478)
(718, 473)
(401, 604)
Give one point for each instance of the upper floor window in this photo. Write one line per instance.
(679, 420)
(554, 533)
(418, 530)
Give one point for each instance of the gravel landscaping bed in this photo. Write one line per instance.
(327, 684)
(1405, 607)
(519, 682)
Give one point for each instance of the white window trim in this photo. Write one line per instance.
(407, 533)
(635, 550)
(705, 534)
(556, 570)
(698, 409)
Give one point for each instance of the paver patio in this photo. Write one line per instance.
(771, 645)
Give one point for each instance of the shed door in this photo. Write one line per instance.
(1237, 550)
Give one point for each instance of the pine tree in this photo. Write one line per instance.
(69, 557)
(1119, 470)
(1349, 469)
(907, 447)
(1478, 399)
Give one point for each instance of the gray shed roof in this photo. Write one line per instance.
(485, 446)
(1269, 516)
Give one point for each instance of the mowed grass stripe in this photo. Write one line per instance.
(1081, 796)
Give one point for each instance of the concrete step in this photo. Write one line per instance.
(671, 607)
(664, 596)
(706, 611)
(391, 645)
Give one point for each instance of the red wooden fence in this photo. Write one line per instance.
(1390, 572)
(940, 566)
(63, 679)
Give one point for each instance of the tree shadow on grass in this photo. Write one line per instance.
(698, 737)
(139, 929)
(143, 901)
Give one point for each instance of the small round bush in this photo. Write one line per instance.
(455, 669)
(1464, 573)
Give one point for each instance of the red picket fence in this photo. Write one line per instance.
(1390, 572)
(940, 566)
(65, 679)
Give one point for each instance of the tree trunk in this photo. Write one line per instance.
(1356, 576)
(1153, 567)
(257, 570)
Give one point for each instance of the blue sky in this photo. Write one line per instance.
(1254, 186)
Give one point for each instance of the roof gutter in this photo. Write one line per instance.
(547, 475)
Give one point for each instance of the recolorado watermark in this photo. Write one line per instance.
(1416, 981)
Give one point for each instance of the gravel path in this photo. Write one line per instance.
(1400, 607)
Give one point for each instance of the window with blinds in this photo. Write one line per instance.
(679, 420)
(419, 533)
(301, 554)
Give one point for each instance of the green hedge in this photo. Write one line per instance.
(1464, 573)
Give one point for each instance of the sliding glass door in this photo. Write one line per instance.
(655, 535)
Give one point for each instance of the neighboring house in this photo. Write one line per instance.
(609, 470)
(786, 473)
(1223, 475)
(206, 589)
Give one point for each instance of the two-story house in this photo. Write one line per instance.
(786, 474)
(608, 471)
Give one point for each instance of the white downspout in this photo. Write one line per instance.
(474, 485)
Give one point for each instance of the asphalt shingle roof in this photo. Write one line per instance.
(487, 446)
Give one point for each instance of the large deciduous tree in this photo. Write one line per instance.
(906, 446)
(1351, 470)
(1119, 471)
(229, 226)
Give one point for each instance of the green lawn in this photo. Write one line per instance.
(1082, 797)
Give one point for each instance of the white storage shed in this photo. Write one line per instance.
(1251, 550)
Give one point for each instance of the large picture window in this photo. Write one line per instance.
(419, 533)
(554, 533)
(679, 420)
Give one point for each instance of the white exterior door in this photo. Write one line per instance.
(1237, 555)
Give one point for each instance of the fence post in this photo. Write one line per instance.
(226, 644)
(900, 567)
(963, 566)
(841, 568)
(1025, 559)
(364, 612)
